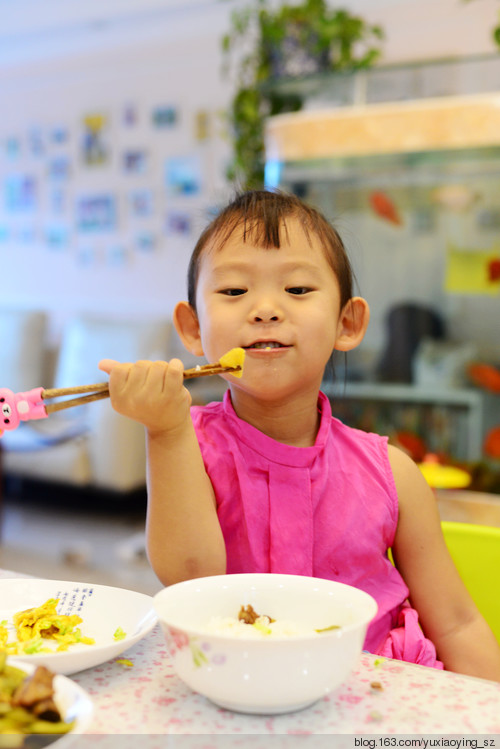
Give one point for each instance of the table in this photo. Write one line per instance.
(147, 698)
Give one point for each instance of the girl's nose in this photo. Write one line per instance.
(266, 318)
(266, 312)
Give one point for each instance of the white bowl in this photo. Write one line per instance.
(269, 674)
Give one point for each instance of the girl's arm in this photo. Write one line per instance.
(447, 613)
(184, 538)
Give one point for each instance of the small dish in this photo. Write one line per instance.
(73, 702)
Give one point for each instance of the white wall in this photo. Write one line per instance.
(152, 70)
(56, 68)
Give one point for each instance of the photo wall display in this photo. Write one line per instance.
(115, 185)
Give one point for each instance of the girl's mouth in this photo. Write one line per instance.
(263, 345)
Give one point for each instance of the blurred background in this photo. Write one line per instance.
(126, 125)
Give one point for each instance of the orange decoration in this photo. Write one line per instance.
(491, 445)
(485, 376)
(413, 444)
(385, 208)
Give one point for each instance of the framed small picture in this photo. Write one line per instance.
(59, 167)
(183, 175)
(57, 237)
(96, 213)
(141, 203)
(135, 162)
(178, 222)
(164, 116)
(20, 193)
(95, 146)
(145, 242)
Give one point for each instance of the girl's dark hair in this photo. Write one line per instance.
(263, 214)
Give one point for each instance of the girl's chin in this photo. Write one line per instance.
(269, 389)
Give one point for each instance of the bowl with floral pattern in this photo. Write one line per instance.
(264, 643)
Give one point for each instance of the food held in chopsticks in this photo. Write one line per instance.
(36, 626)
(27, 704)
(17, 407)
(231, 363)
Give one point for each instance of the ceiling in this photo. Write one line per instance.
(34, 28)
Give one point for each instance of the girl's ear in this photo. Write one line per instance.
(187, 326)
(353, 322)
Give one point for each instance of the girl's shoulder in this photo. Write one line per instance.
(359, 440)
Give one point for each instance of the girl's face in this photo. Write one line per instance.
(281, 305)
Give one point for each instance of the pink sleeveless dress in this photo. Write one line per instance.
(326, 511)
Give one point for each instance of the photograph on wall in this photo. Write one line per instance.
(141, 203)
(116, 256)
(20, 193)
(130, 115)
(57, 237)
(166, 116)
(36, 146)
(202, 128)
(178, 222)
(59, 167)
(57, 200)
(96, 213)
(59, 135)
(183, 175)
(145, 242)
(135, 161)
(95, 146)
(12, 147)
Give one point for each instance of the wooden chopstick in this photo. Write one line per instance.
(61, 405)
(101, 389)
(203, 370)
(56, 392)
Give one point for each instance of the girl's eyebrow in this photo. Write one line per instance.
(285, 267)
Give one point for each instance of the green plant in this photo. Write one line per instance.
(273, 42)
(495, 32)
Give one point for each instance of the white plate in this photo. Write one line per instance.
(73, 702)
(102, 608)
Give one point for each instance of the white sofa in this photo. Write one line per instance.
(89, 446)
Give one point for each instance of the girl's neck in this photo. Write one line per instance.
(293, 421)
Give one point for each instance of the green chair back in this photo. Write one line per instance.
(475, 549)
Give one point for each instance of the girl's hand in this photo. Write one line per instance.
(151, 393)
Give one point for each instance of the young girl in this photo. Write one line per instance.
(267, 480)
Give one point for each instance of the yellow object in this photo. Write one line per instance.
(475, 549)
(444, 477)
(234, 358)
(467, 271)
(125, 662)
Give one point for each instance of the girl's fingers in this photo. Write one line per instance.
(106, 365)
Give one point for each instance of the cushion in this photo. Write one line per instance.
(86, 341)
(22, 349)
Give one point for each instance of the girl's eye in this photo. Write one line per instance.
(232, 292)
(299, 290)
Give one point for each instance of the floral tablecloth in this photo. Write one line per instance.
(139, 693)
(382, 696)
